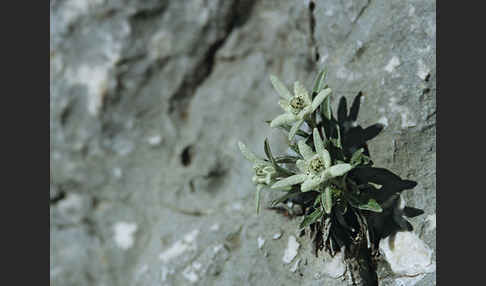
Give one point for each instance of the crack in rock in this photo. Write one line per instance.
(180, 100)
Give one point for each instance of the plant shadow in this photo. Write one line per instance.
(381, 184)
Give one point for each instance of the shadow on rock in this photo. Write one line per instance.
(358, 229)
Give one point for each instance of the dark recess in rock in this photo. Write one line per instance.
(186, 156)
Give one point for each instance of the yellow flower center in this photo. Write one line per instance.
(297, 103)
(316, 165)
(259, 171)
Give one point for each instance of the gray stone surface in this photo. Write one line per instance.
(148, 100)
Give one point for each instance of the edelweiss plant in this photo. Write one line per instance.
(346, 201)
(315, 168)
(297, 107)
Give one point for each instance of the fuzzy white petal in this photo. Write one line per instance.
(304, 112)
(282, 119)
(301, 165)
(318, 141)
(326, 157)
(311, 183)
(289, 181)
(337, 170)
(320, 98)
(257, 198)
(294, 129)
(280, 88)
(284, 104)
(299, 90)
(248, 154)
(305, 150)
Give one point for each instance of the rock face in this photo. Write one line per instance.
(149, 98)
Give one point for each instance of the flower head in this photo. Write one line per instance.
(298, 106)
(265, 172)
(316, 167)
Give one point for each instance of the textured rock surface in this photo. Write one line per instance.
(148, 100)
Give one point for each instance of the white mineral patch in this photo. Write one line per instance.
(124, 234)
(423, 71)
(430, 221)
(403, 111)
(425, 50)
(291, 250)
(95, 79)
(237, 206)
(141, 271)
(165, 271)
(323, 58)
(123, 147)
(190, 275)
(71, 205)
(117, 172)
(407, 254)
(344, 73)
(260, 242)
(217, 248)
(277, 235)
(180, 246)
(55, 271)
(411, 11)
(383, 120)
(392, 64)
(154, 140)
(191, 236)
(408, 281)
(161, 44)
(431, 28)
(196, 265)
(295, 266)
(75, 8)
(214, 227)
(335, 267)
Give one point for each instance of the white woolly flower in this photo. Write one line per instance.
(298, 106)
(315, 168)
(264, 171)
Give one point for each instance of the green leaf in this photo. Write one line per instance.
(257, 199)
(326, 111)
(358, 158)
(371, 205)
(352, 184)
(287, 128)
(352, 199)
(342, 221)
(285, 197)
(294, 148)
(326, 199)
(312, 218)
(266, 147)
(320, 84)
(357, 155)
(270, 157)
(317, 201)
(338, 140)
(286, 159)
